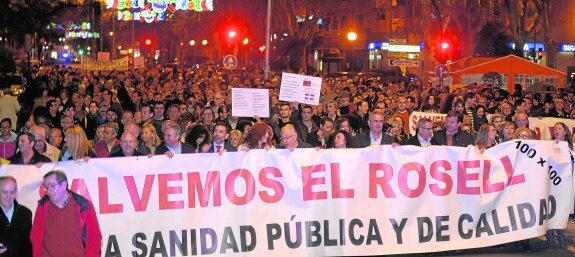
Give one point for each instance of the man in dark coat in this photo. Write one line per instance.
(220, 142)
(453, 135)
(423, 135)
(15, 221)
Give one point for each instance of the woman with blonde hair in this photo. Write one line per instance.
(506, 131)
(485, 137)
(259, 136)
(235, 138)
(522, 133)
(77, 145)
(150, 137)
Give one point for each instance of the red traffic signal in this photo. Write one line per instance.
(148, 42)
(444, 45)
(232, 34)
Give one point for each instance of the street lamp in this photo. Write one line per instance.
(192, 42)
(351, 36)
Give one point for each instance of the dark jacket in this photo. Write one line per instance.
(141, 148)
(16, 234)
(186, 148)
(300, 144)
(460, 138)
(120, 153)
(91, 154)
(363, 139)
(227, 147)
(36, 158)
(415, 141)
(313, 139)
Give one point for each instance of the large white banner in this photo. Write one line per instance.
(376, 200)
(543, 127)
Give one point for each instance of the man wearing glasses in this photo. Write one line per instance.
(423, 136)
(65, 223)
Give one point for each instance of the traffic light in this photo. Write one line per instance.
(445, 46)
(540, 54)
(148, 42)
(232, 34)
(532, 53)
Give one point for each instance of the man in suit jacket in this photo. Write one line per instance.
(172, 144)
(423, 135)
(290, 140)
(128, 146)
(376, 135)
(452, 135)
(103, 148)
(220, 143)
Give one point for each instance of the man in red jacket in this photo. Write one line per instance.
(65, 223)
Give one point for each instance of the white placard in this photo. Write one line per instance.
(300, 88)
(138, 62)
(249, 102)
(103, 56)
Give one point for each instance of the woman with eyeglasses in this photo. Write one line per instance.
(522, 133)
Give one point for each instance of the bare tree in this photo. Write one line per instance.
(522, 18)
(299, 19)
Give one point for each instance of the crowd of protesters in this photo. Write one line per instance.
(65, 113)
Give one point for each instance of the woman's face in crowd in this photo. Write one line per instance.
(559, 132)
(508, 131)
(146, 134)
(339, 141)
(235, 140)
(345, 127)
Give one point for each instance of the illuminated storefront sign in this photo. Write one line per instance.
(76, 30)
(155, 10)
(378, 45)
(570, 48)
(404, 48)
(529, 45)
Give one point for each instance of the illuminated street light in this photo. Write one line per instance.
(204, 42)
(119, 47)
(351, 36)
(192, 42)
(111, 33)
